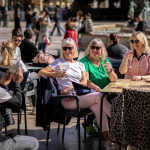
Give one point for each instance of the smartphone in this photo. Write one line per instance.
(13, 69)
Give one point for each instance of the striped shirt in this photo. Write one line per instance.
(140, 67)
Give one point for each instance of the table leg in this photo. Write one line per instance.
(101, 114)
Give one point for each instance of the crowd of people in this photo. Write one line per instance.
(94, 70)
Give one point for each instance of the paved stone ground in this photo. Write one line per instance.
(70, 141)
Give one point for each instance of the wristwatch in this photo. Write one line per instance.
(109, 71)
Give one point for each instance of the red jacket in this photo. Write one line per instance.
(71, 34)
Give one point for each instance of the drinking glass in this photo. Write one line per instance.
(104, 62)
(131, 53)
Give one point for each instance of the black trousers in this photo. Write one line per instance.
(58, 30)
(17, 23)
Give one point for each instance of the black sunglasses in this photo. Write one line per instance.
(65, 48)
(134, 41)
(96, 47)
(17, 40)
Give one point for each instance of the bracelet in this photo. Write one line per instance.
(109, 71)
(97, 88)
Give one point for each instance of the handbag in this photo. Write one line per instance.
(82, 89)
(47, 41)
(43, 58)
(8, 118)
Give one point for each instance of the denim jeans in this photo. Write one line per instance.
(59, 24)
(58, 30)
(42, 46)
(20, 143)
(29, 26)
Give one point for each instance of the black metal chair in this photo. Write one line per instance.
(116, 64)
(56, 109)
(24, 95)
(78, 113)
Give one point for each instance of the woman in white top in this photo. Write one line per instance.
(66, 71)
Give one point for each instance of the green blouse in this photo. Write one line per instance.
(97, 75)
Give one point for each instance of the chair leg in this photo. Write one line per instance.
(48, 132)
(18, 123)
(85, 127)
(77, 124)
(20, 116)
(5, 130)
(58, 128)
(79, 144)
(64, 128)
(25, 117)
(25, 120)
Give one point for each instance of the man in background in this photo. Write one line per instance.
(142, 25)
(27, 47)
(17, 15)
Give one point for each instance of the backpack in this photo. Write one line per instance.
(43, 58)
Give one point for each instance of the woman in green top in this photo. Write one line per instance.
(99, 73)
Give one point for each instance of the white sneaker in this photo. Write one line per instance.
(109, 146)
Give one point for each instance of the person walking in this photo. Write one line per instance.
(29, 17)
(87, 26)
(43, 34)
(57, 19)
(61, 19)
(17, 15)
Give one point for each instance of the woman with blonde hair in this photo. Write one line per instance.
(8, 56)
(9, 60)
(136, 62)
(66, 71)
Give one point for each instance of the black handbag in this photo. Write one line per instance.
(82, 89)
(8, 118)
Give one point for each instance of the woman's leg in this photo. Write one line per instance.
(92, 101)
(20, 143)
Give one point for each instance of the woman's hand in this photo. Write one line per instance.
(127, 56)
(59, 74)
(5, 80)
(107, 66)
(66, 90)
(98, 89)
(136, 78)
(18, 76)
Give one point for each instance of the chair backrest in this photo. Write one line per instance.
(116, 64)
(22, 84)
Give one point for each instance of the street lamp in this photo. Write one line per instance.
(5, 15)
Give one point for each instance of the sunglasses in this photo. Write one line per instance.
(65, 48)
(134, 41)
(17, 40)
(95, 47)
